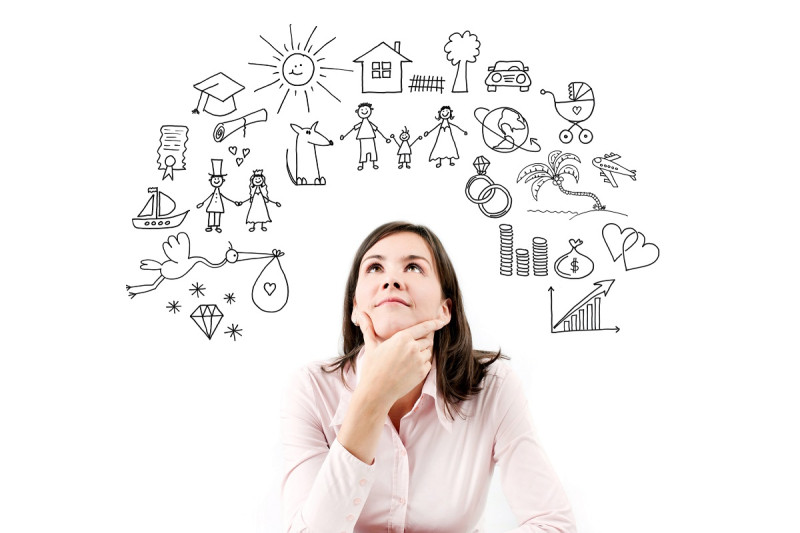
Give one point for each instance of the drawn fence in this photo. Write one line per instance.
(426, 83)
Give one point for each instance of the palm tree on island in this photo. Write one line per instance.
(555, 170)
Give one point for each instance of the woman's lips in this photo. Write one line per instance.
(397, 301)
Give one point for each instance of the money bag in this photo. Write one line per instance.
(271, 290)
(574, 265)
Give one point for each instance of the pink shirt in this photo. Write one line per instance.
(432, 475)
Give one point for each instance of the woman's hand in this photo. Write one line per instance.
(390, 369)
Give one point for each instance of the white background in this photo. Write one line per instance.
(119, 416)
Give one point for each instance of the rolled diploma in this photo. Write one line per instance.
(223, 129)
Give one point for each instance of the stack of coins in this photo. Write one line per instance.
(523, 262)
(506, 249)
(539, 256)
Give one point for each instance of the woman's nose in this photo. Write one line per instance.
(394, 284)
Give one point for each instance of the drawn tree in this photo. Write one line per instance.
(462, 48)
(555, 170)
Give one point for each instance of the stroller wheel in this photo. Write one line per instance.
(565, 136)
(585, 136)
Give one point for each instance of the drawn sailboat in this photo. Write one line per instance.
(155, 214)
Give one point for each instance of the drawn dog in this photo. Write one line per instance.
(306, 164)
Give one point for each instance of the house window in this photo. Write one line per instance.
(381, 69)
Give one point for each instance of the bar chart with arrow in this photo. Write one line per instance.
(585, 315)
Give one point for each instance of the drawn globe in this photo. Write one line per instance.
(504, 128)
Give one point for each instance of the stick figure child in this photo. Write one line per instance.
(215, 199)
(445, 146)
(404, 148)
(366, 136)
(259, 198)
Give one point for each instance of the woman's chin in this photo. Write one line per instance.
(386, 328)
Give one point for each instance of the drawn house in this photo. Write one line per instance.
(382, 69)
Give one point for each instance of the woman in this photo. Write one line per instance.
(444, 147)
(258, 212)
(403, 431)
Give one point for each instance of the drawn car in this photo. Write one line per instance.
(508, 74)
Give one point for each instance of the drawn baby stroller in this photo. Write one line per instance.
(578, 108)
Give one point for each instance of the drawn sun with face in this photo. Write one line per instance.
(298, 68)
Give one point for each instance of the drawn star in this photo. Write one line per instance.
(230, 298)
(234, 330)
(197, 290)
(174, 307)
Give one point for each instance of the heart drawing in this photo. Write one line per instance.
(239, 161)
(631, 245)
(269, 288)
(576, 109)
(232, 150)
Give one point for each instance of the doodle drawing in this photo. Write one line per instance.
(171, 144)
(462, 49)
(426, 84)
(573, 264)
(404, 148)
(366, 136)
(609, 168)
(259, 198)
(487, 193)
(271, 289)
(578, 108)
(239, 160)
(233, 331)
(305, 151)
(506, 249)
(216, 95)
(215, 200)
(585, 315)
(157, 212)
(179, 263)
(523, 261)
(508, 74)
(298, 69)
(174, 307)
(207, 317)
(631, 245)
(382, 69)
(555, 171)
(539, 256)
(224, 129)
(505, 130)
(444, 147)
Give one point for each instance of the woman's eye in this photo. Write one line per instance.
(374, 267)
(414, 267)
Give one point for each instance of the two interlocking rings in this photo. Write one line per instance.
(486, 194)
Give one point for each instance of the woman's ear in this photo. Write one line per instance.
(444, 311)
(354, 314)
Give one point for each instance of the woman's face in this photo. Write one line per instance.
(398, 286)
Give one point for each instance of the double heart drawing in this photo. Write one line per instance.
(631, 245)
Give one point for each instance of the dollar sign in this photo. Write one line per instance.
(574, 265)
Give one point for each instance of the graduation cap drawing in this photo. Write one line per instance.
(216, 95)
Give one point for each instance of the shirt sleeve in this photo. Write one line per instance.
(529, 481)
(324, 486)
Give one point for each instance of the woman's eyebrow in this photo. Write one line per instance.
(370, 257)
(416, 258)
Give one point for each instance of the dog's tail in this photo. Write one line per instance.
(288, 169)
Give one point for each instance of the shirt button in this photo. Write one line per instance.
(402, 452)
(357, 501)
(402, 501)
(350, 518)
(362, 482)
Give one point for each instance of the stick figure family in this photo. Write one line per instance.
(258, 213)
(444, 147)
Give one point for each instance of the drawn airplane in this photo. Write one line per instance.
(608, 168)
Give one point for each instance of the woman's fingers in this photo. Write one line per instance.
(423, 329)
(367, 330)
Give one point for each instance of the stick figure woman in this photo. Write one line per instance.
(445, 146)
(259, 198)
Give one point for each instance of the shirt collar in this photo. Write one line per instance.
(429, 388)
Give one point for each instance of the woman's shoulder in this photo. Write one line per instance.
(322, 373)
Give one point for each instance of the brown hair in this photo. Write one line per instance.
(459, 368)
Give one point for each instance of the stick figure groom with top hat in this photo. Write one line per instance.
(215, 205)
